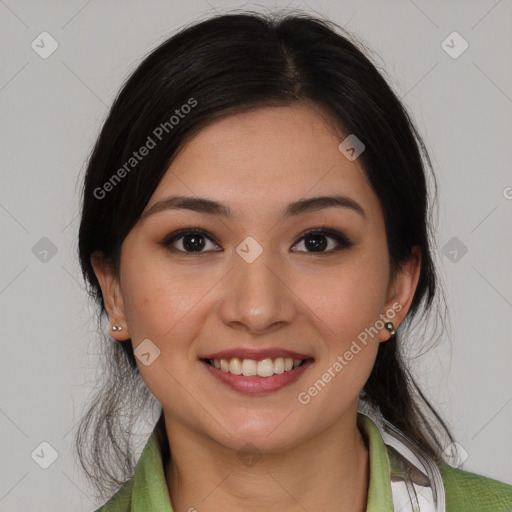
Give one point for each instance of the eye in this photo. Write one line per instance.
(314, 240)
(192, 240)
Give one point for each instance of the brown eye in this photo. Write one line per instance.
(191, 240)
(196, 240)
(315, 240)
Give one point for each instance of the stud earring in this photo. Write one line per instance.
(116, 328)
(390, 327)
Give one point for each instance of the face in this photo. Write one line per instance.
(255, 286)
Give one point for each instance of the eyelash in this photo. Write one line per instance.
(328, 232)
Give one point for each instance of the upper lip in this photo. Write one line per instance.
(256, 354)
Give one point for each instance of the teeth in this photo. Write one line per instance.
(279, 365)
(235, 366)
(250, 367)
(265, 368)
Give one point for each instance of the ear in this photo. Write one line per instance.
(401, 291)
(112, 296)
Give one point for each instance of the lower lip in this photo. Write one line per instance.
(259, 385)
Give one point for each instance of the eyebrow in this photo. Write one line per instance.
(210, 207)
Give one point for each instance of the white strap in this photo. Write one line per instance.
(416, 482)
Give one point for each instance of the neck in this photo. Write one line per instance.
(329, 472)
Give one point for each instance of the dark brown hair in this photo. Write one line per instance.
(231, 63)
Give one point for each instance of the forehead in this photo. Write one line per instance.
(266, 157)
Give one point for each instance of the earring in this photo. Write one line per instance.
(390, 327)
(116, 328)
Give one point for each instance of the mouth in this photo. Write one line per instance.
(262, 376)
(263, 368)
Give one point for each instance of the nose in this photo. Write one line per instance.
(257, 297)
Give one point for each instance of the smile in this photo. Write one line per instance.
(257, 376)
(251, 367)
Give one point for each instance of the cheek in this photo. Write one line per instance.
(347, 314)
(170, 307)
(156, 296)
(348, 299)
(163, 308)
(347, 303)
(161, 312)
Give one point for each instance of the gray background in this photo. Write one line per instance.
(52, 110)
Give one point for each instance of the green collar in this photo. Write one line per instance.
(149, 488)
(380, 498)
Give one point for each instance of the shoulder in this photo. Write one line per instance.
(121, 501)
(470, 492)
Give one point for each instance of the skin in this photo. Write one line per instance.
(258, 162)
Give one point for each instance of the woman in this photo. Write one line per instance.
(256, 227)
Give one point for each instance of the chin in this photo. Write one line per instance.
(267, 436)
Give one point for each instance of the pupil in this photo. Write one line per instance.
(312, 242)
(193, 242)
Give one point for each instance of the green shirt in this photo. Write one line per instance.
(465, 492)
